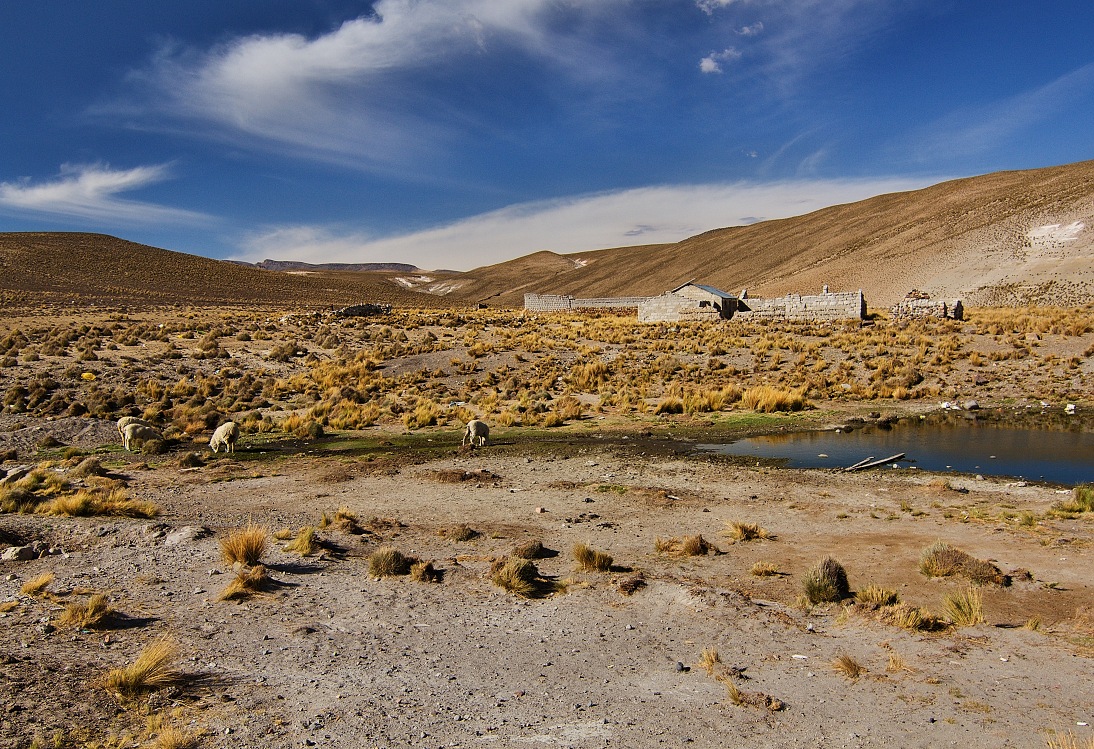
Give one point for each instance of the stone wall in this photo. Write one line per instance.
(850, 305)
(674, 307)
(560, 303)
(913, 308)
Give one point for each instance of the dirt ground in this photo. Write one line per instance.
(332, 656)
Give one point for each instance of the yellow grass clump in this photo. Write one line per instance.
(305, 544)
(89, 615)
(387, 561)
(246, 584)
(37, 585)
(245, 546)
(591, 560)
(965, 608)
(155, 668)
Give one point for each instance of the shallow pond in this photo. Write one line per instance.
(990, 449)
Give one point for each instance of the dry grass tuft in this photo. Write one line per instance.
(533, 549)
(764, 569)
(848, 666)
(965, 608)
(685, 546)
(245, 546)
(875, 595)
(37, 585)
(1068, 741)
(826, 583)
(942, 560)
(745, 531)
(897, 664)
(909, 617)
(424, 572)
(520, 577)
(154, 669)
(461, 532)
(305, 544)
(89, 615)
(767, 399)
(709, 659)
(387, 561)
(246, 584)
(591, 560)
(170, 737)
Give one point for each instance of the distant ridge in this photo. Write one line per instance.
(80, 268)
(1008, 238)
(296, 265)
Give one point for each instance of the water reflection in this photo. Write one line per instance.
(947, 444)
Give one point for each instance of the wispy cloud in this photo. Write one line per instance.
(712, 63)
(647, 215)
(347, 93)
(980, 129)
(90, 191)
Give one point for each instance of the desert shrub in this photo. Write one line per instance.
(533, 549)
(246, 583)
(825, 583)
(943, 560)
(745, 531)
(520, 577)
(424, 572)
(245, 546)
(305, 544)
(591, 560)
(965, 608)
(461, 532)
(387, 561)
(848, 666)
(874, 595)
(764, 569)
(155, 668)
(89, 615)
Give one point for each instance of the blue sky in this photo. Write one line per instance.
(457, 133)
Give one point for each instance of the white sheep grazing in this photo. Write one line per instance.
(475, 430)
(138, 433)
(225, 436)
(125, 421)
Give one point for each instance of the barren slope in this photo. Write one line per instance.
(1009, 237)
(96, 268)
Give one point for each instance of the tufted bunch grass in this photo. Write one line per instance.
(245, 546)
(591, 560)
(826, 583)
(155, 668)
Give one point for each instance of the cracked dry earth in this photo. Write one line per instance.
(333, 657)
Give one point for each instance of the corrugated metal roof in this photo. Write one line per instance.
(708, 289)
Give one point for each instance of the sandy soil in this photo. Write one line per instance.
(331, 656)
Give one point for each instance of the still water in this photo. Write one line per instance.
(1061, 457)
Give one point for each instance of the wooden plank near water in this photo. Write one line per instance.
(861, 463)
(862, 466)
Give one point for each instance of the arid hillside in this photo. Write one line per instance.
(999, 239)
(63, 267)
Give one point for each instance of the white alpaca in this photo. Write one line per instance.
(225, 436)
(476, 430)
(138, 433)
(125, 421)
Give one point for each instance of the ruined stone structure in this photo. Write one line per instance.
(561, 303)
(690, 302)
(826, 306)
(918, 304)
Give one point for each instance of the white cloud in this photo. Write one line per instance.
(89, 191)
(709, 6)
(977, 129)
(712, 63)
(346, 92)
(646, 215)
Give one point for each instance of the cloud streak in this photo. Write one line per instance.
(647, 215)
(348, 93)
(90, 191)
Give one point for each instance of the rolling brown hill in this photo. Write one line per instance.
(100, 269)
(987, 239)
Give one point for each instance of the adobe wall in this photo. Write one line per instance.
(910, 309)
(560, 303)
(849, 305)
(675, 308)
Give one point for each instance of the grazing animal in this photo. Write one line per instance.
(225, 436)
(125, 421)
(475, 431)
(138, 433)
